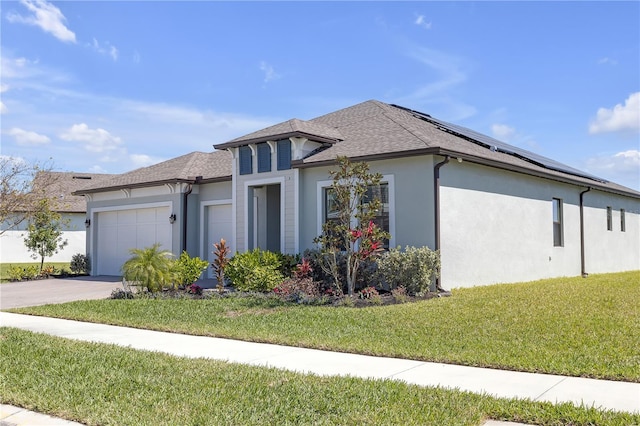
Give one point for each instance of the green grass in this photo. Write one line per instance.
(100, 384)
(569, 326)
(4, 267)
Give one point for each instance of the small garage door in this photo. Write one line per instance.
(220, 226)
(121, 230)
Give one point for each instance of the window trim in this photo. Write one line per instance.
(388, 179)
(558, 225)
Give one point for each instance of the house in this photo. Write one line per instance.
(72, 208)
(496, 212)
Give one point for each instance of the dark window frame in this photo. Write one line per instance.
(245, 160)
(283, 148)
(264, 157)
(558, 226)
(609, 218)
(623, 224)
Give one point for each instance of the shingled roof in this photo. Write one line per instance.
(211, 166)
(291, 128)
(61, 186)
(375, 130)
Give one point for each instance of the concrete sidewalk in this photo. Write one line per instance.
(602, 394)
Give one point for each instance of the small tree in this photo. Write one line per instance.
(22, 185)
(44, 232)
(149, 267)
(352, 231)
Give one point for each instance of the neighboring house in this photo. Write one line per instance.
(72, 208)
(496, 212)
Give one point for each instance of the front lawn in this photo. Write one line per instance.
(569, 326)
(99, 384)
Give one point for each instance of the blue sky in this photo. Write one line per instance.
(113, 86)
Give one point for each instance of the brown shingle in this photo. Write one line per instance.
(210, 165)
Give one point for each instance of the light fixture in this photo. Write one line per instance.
(87, 223)
(459, 160)
(172, 218)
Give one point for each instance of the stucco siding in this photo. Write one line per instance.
(615, 250)
(497, 226)
(412, 197)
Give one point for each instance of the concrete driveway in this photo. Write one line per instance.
(56, 290)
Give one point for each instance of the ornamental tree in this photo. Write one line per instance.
(351, 231)
(44, 232)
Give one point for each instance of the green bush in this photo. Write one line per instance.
(288, 262)
(367, 270)
(187, 269)
(254, 270)
(415, 268)
(80, 264)
(15, 273)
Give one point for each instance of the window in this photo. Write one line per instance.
(246, 162)
(623, 225)
(381, 218)
(609, 219)
(264, 157)
(558, 238)
(284, 154)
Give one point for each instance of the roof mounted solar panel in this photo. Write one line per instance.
(496, 145)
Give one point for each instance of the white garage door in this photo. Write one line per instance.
(121, 230)
(219, 227)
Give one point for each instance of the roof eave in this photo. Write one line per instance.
(276, 137)
(477, 160)
(133, 185)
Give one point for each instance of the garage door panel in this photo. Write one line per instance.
(123, 230)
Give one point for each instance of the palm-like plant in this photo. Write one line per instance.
(149, 267)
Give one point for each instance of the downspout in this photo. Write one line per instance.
(185, 210)
(436, 206)
(582, 261)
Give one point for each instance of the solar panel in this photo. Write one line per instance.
(498, 146)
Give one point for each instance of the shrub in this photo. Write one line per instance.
(80, 264)
(368, 293)
(119, 293)
(187, 269)
(149, 268)
(15, 273)
(299, 290)
(195, 289)
(399, 294)
(415, 268)
(288, 262)
(47, 271)
(254, 270)
(321, 270)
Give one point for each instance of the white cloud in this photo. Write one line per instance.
(269, 73)
(503, 132)
(105, 49)
(620, 118)
(143, 160)
(607, 60)
(47, 17)
(3, 107)
(27, 138)
(421, 22)
(622, 167)
(95, 140)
